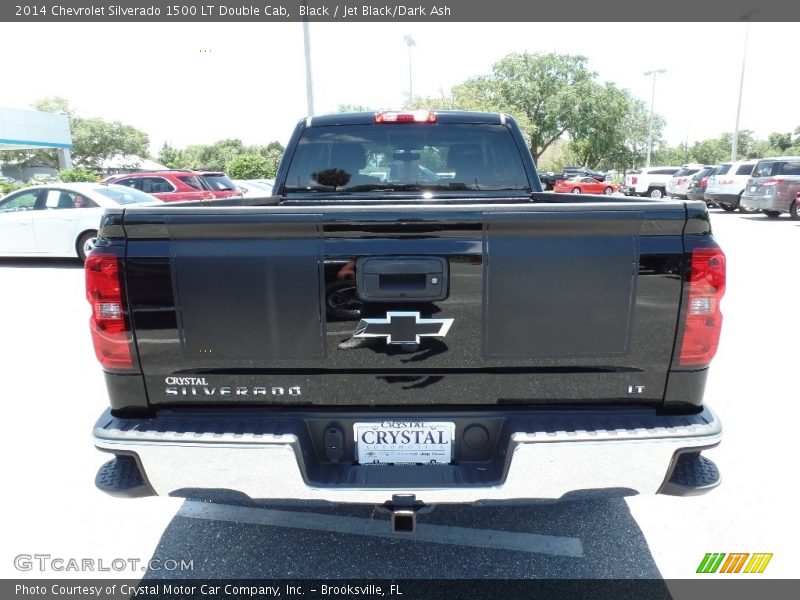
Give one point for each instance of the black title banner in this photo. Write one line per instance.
(278, 11)
(396, 589)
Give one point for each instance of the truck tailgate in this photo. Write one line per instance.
(265, 305)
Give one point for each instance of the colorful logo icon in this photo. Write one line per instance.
(734, 563)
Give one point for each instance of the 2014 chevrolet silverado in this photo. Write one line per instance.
(409, 320)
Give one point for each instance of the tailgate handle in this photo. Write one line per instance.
(402, 279)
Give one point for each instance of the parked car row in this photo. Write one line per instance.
(62, 219)
(770, 185)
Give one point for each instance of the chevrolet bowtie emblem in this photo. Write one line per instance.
(402, 328)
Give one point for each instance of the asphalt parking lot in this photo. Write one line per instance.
(53, 391)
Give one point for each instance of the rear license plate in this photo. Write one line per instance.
(404, 442)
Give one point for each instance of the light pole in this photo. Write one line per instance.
(309, 79)
(409, 42)
(735, 143)
(654, 72)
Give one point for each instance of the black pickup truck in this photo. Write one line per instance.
(409, 320)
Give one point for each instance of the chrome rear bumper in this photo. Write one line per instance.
(633, 451)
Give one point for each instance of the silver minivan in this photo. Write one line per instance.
(775, 187)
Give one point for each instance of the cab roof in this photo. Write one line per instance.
(442, 116)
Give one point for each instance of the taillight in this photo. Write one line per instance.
(702, 315)
(109, 323)
(634, 180)
(772, 181)
(415, 116)
(704, 182)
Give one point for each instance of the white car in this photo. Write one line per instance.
(59, 219)
(255, 188)
(726, 186)
(678, 185)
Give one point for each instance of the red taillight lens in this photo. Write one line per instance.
(702, 315)
(634, 180)
(416, 116)
(109, 324)
(704, 182)
(772, 181)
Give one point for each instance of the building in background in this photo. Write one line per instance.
(34, 130)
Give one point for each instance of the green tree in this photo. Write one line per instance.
(248, 166)
(780, 142)
(170, 157)
(599, 132)
(709, 152)
(717, 150)
(635, 125)
(95, 140)
(54, 104)
(557, 156)
(272, 153)
(668, 155)
(442, 102)
(547, 92)
(214, 157)
(78, 174)
(555, 95)
(544, 92)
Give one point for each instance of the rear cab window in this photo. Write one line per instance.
(451, 157)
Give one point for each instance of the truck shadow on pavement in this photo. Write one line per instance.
(578, 539)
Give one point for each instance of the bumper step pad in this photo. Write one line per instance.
(692, 475)
(122, 477)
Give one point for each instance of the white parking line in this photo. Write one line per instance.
(439, 534)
